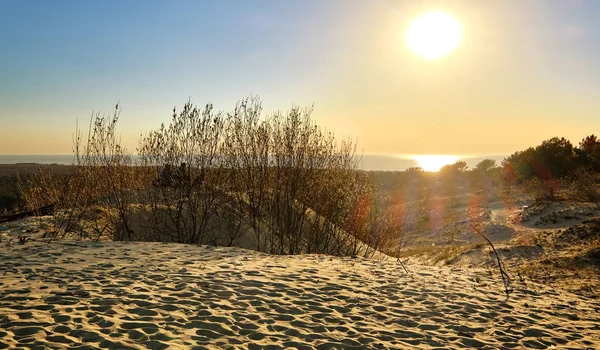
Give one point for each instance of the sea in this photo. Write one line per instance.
(372, 162)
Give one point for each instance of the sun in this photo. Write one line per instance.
(433, 35)
(434, 162)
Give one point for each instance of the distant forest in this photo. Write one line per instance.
(555, 167)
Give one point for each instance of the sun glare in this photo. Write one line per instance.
(433, 35)
(434, 162)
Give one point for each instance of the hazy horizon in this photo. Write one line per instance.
(369, 162)
(520, 72)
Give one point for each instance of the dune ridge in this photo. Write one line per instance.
(154, 295)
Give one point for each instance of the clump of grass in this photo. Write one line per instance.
(440, 254)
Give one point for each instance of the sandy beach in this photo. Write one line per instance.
(154, 295)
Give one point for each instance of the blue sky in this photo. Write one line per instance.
(525, 71)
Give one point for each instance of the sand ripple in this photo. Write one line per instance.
(158, 296)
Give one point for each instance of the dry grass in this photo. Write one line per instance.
(576, 270)
(439, 254)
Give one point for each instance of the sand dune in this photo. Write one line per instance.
(153, 295)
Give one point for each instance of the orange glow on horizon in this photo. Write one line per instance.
(434, 162)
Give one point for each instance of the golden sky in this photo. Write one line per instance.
(523, 71)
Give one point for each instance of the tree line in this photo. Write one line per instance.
(556, 166)
(552, 170)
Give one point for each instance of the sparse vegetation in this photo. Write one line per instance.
(556, 168)
(280, 184)
(437, 255)
(217, 178)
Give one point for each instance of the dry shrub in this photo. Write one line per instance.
(543, 189)
(277, 183)
(373, 219)
(93, 198)
(246, 152)
(582, 185)
(304, 162)
(69, 193)
(109, 171)
(185, 155)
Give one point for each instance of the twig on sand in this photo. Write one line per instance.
(505, 277)
(403, 266)
(398, 257)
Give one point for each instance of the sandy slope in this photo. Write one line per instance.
(153, 295)
(555, 243)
